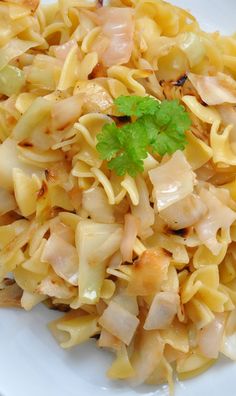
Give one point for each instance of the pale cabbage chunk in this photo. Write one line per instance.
(145, 265)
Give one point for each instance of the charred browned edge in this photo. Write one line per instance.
(177, 83)
(25, 144)
(165, 252)
(182, 232)
(120, 121)
(43, 190)
(96, 336)
(10, 294)
(181, 81)
(8, 281)
(50, 175)
(99, 70)
(9, 218)
(156, 252)
(57, 307)
(47, 174)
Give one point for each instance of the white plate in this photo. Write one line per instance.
(32, 364)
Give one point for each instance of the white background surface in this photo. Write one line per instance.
(31, 363)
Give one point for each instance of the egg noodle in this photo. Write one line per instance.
(145, 264)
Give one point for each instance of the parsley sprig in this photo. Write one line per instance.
(158, 128)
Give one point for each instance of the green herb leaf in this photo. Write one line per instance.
(159, 128)
(166, 129)
(108, 141)
(136, 105)
(125, 164)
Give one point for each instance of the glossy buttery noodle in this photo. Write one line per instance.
(70, 228)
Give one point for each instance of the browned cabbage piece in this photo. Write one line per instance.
(148, 272)
(10, 294)
(54, 286)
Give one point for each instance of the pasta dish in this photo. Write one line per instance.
(118, 180)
